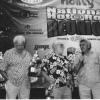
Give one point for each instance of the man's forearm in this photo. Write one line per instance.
(47, 77)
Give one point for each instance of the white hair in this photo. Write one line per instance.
(19, 39)
(54, 45)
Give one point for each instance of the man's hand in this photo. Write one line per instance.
(52, 81)
(49, 79)
(33, 79)
(38, 71)
(4, 75)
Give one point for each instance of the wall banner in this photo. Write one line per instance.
(71, 21)
(47, 21)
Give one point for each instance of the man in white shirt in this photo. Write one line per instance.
(88, 67)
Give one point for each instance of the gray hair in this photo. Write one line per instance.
(88, 43)
(54, 45)
(19, 39)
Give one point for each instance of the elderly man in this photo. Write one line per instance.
(56, 71)
(88, 67)
(16, 63)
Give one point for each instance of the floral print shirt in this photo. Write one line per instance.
(57, 68)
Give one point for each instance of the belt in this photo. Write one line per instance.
(60, 85)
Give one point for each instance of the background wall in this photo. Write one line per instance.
(36, 33)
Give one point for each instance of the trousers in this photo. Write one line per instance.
(62, 93)
(85, 92)
(12, 91)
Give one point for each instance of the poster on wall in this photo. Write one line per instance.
(80, 17)
(73, 20)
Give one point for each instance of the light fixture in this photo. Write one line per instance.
(32, 1)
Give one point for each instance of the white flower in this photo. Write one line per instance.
(33, 59)
(68, 76)
(57, 81)
(35, 55)
(55, 63)
(51, 66)
(54, 57)
(45, 60)
(71, 58)
(62, 62)
(58, 72)
(33, 69)
(66, 69)
(66, 61)
(58, 60)
(62, 74)
(51, 77)
(45, 69)
(53, 70)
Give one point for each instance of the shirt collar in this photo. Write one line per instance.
(23, 53)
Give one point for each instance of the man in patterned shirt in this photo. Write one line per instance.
(16, 63)
(57, 72)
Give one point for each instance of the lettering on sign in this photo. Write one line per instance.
(89, 3)
(41, 47)
(73, 13)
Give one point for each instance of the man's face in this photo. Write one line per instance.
(60, 50)
(84, 47)
(19, 46)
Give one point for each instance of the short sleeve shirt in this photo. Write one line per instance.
(57, 68)
(16, 66)
(90, 72)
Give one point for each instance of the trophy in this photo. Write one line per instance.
(34, 68)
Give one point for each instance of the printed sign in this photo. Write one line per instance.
(73, 13)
